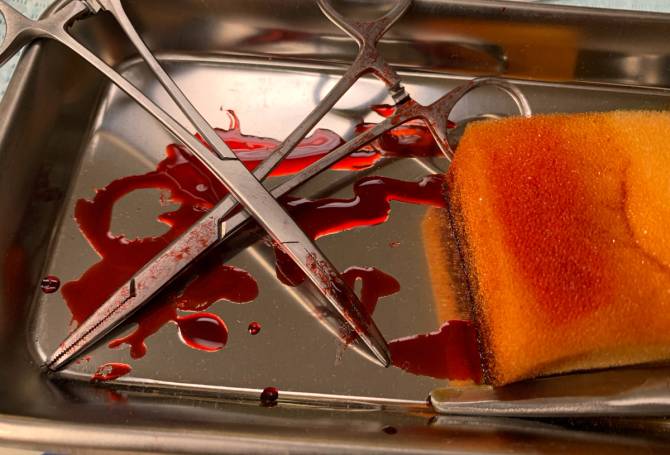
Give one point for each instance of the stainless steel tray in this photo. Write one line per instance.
(66, 130)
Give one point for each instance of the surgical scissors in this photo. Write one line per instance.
(354, 324)
(163, 269)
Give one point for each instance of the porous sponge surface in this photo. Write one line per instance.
(564, 225)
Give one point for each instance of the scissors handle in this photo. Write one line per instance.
(365, 31)
(436, 115)
(21, 31)
(367, 34)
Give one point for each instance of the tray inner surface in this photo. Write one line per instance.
(292, 351)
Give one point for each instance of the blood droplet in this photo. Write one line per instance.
(390, 430)
(384, 110)
(254, 328)
(50, 284)
(269, 396)
(203, 331)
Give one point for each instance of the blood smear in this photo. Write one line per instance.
(110, 371)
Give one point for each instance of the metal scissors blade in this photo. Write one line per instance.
(262, 206)
(127, 300)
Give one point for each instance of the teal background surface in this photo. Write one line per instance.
(31, 8)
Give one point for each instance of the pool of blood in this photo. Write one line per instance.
(450, 353)
(187, 183)
(203, 331)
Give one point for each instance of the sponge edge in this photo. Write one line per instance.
(562, 221)
(451, 297)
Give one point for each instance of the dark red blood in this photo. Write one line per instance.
(269, 396)
(203, 331)
(369, 206)
(199, 294)
(252, 150)
(409, 139)
(394, 244)
(387, 110)
(254, 328)
(450, 353)
(384, 110)
(110, 371)
(375, 285)
(390, 430)
(211, 282)
(112, 396)
(147, 324)
(50, 284)
(287, 271)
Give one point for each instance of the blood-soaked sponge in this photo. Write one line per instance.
(563, 222)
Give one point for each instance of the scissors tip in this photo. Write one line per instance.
(47, 367)
(383, 360)
(374, 348)
(383, 357)
(57, 360)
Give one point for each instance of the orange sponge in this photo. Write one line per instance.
(563, 223)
